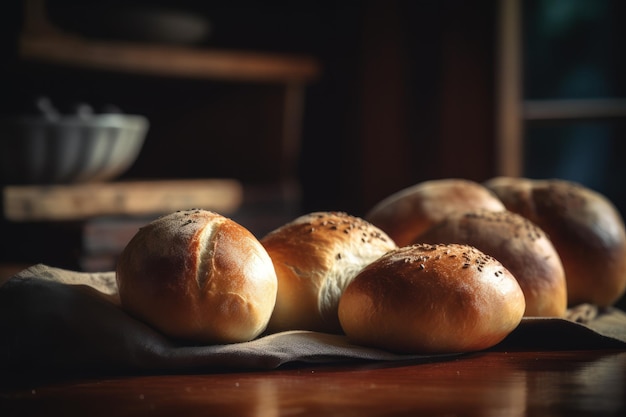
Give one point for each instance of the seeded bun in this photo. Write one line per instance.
(521, 247)
(425, 299)
(408, 213)
(198, 276)
(315, 257)
(586, 229)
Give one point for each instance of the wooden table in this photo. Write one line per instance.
(559, 383)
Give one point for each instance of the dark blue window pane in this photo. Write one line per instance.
(574, 48)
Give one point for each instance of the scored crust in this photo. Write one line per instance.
(198, 276)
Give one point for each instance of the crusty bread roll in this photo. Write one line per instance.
(198, 276)
(315, 257)
(408, 213)
(586, 229)
(521, 247)
(432, 299)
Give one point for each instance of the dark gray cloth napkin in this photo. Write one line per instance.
(59, 321)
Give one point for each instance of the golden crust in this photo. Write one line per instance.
(522, 247)
(315, 256)
(198, 276)
(408, 213)
(432, 299)
(585, 227)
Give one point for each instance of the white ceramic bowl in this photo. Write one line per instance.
(69, 149)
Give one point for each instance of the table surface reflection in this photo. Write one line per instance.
(559, 383)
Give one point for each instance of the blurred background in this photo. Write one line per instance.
(327, 105)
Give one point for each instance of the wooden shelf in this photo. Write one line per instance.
(42, 41)
(163, 60)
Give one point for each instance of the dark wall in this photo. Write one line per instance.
(427, 94)
(410, 87)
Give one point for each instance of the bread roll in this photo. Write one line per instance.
(410, 212)
(426, 298)
(315, 257)
(586, 229)
(521, 247)
(198, 276)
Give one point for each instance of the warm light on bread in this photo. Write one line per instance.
(198, 276)
(315, 257)
(432, 299)
(521, 246)
(585, 227)
(408, 213)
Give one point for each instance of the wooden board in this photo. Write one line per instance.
(134, 198)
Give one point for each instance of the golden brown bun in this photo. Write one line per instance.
(585, 227)
(315, 257)
(198, 276)
(432, 299)
(410, 212)
(517, 243)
